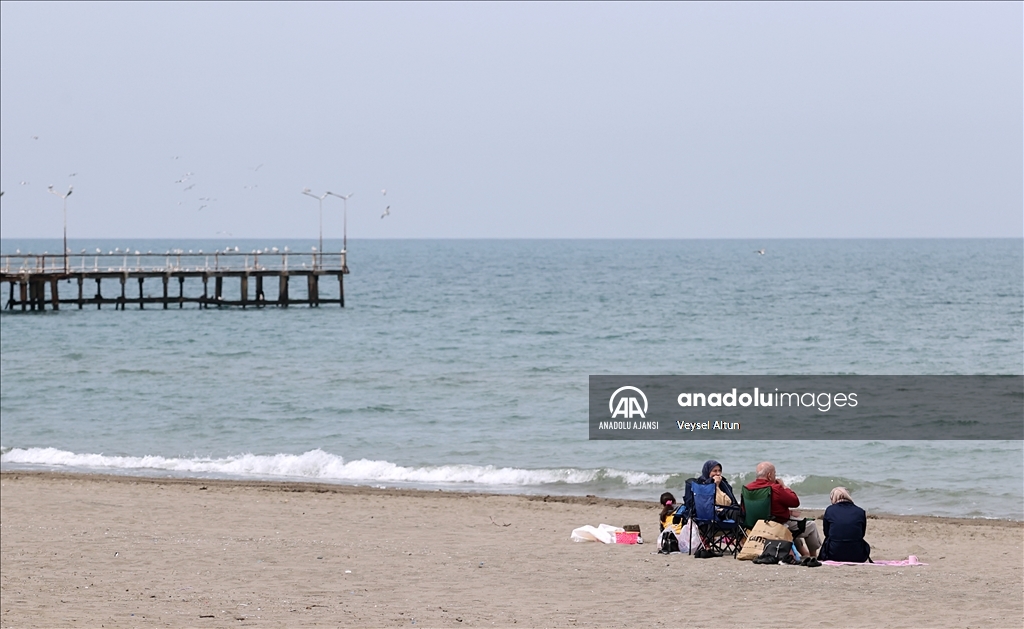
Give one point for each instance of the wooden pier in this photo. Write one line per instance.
(171, 279)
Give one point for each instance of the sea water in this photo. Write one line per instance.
(464, 364)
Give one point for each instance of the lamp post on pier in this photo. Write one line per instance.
(64, 197)
(344, 233)
(320, 200)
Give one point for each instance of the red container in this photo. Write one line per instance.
(626, 538)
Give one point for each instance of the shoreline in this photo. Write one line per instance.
(107, 550)
(399, 492)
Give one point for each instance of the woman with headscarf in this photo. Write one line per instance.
(844, 524)
(725, 500)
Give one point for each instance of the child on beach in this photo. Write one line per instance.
(669, 518)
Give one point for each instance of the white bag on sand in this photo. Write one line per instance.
(684, 538)
(604, 533)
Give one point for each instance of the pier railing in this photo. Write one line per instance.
(171, 261)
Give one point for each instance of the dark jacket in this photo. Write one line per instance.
(844, 524)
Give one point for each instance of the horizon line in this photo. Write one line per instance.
(593, 238)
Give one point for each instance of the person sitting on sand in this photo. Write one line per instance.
(845, 524)
(669, 518)
(805, 532)
(726, 505)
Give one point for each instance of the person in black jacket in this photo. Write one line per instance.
(845, 524)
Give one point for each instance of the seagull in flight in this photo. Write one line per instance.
(759, 252)
(190, 186)
(384, 192)
(200, 208)
(257, 168)
(25, 183)
(387, 212)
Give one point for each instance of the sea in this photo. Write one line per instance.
(463, 365)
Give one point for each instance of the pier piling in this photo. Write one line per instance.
(282, 295)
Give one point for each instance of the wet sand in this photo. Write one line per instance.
(111, 551)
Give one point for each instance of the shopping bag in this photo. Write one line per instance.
(763, 531)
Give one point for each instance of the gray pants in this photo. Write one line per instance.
(810, 535)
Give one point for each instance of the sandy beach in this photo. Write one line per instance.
(103, 551)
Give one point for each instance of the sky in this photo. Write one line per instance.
(526, 120)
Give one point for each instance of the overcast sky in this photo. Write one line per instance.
(514, 120)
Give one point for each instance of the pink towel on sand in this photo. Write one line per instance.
(909, 561)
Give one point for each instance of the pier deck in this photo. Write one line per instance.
(35, 280)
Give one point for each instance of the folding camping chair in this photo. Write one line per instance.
(715, 533)
(757, 505)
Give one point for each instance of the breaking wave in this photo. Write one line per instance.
(324, 466)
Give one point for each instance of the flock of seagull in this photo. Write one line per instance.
(187, 184)
(186, 177)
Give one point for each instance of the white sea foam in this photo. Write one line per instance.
(320, 465)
